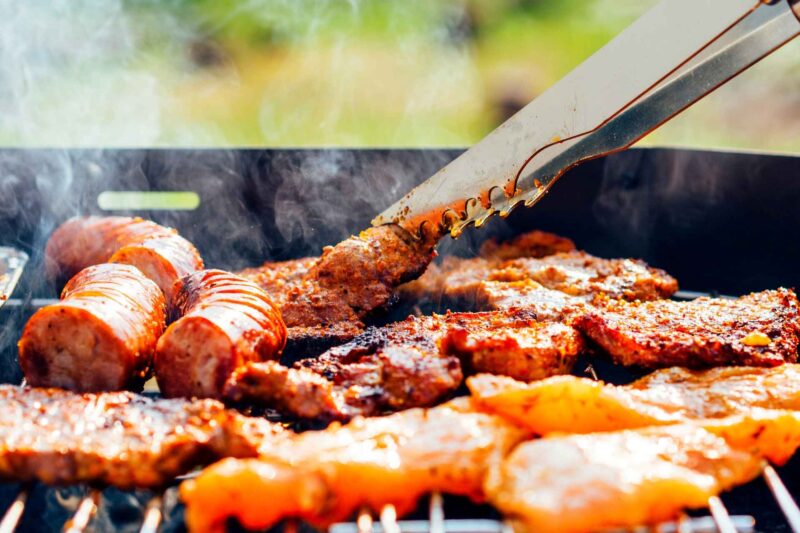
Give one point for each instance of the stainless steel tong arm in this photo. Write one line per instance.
(670, 58)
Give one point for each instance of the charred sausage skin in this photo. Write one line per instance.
(159, 252)
(226, 321)
(101, 335)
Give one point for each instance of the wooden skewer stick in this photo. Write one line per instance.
(364, 521)
(721, 515)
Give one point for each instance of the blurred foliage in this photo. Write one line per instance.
(349, 72)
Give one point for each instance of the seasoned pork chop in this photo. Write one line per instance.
(759, 329)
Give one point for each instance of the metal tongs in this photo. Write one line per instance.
(671, 57)
(12, 263)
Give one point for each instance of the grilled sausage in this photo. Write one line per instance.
(100, 336)
(226, 322)
(159, 252)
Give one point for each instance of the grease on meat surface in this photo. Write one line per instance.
(702, 333)
(325, 476)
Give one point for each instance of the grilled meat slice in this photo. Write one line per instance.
(347, 283)
(324, 476)
(430, 287)
(547, 304)
(412, 363)
(488, 283)
(119, 438)
(159, 252)
(759, 329)
(616, 480)
(225, 322)
(535, 243)
(666, 396)
(100, 336)
(527, 353)
(580, 274)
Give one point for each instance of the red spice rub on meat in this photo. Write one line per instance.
(759, 329)
(413, 363)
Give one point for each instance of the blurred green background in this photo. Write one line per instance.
(323, 72)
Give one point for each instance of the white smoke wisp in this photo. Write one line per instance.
(69, 76)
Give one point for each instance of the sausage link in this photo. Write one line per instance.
(226, 322)
(159, 252)
(101, 335)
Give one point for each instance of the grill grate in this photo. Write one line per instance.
(154, 513)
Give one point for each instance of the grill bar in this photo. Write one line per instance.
(783, 497)
(721, 516)
(83, 516)
(14, 513)
(152, 516)
(364, 521)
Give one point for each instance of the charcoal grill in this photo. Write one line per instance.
(722, 223)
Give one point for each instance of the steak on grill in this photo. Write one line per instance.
(118, 438)
(347, 283)
(760, 329)
(413, 363)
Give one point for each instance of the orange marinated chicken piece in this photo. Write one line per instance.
(325, 476)
(620, 479)
(580, 405)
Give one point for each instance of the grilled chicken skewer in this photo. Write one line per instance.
(100, 336)
(225, 322)
(627, 478)
(666, 396)
(324, 476)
